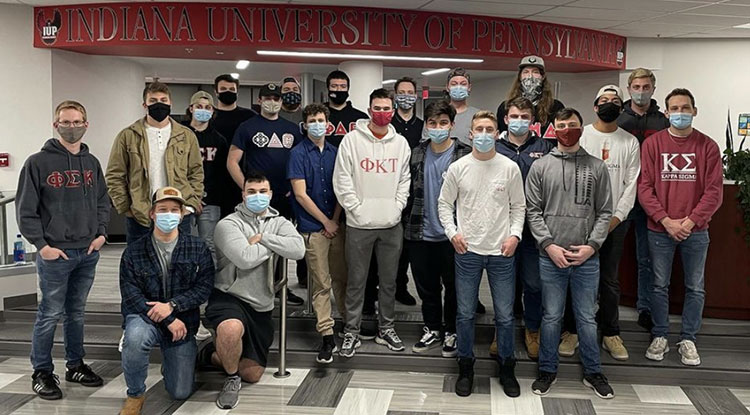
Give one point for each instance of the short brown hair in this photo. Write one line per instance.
(69, 105)
(313, 109)
(381, 93)
(568, 113)
(521, 103)
(155, 87)
(405, 79)
(488, 115)
(438, 108)
(679, 91)
(226, 78)
(641, 73)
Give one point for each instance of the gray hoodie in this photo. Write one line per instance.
(568, 200)
(246, 271)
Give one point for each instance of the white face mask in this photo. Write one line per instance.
(270, 106)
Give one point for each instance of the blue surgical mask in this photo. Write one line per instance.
(518, 126)
(483, 142)
(459, 92)
(438, 135)
(257, 202)
(681, 120)
(316, 130)
(167, 221)
(202, 115)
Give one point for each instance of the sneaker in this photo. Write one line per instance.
(543, 382)
(229, 396)
(351, 343)
(599, 384)
(327, 349)
(658, 348)
(202, 333)
(430, 339)
(292, 299)
(531, 338)
(403, 297)
(465, 380)
(450, 349)
(615, 347)
(480, 308)
(688, 353)
(364, 334)
(133, 406)
(388, 337)
(645, 320)
(568, 344)
(84, 375)
(45, 384)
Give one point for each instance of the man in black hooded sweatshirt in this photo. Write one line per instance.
(343, 115)
(62, 207)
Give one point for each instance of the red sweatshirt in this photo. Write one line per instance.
(680, 176)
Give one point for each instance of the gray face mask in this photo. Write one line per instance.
(641, 98)
(71, 134)
(531, 88)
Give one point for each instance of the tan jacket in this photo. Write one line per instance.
(127, 171)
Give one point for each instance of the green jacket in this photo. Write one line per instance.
(127, 170)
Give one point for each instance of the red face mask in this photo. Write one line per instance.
(382, 118)
(568, 136)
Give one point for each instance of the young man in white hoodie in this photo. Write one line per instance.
(621, 154)
(371, 181)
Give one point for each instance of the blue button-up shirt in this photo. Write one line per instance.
(307, 162)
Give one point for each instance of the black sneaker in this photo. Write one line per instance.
(292, 299)
(327, 349)
(599, 384)
(403, 297)
(645, 320)
(45, 384)
(84, 375)
(430, 339)
(465, 381)
(543, 382)
(480, 308)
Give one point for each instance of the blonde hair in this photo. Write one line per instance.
(641, 73)
(484, 115)
(69, 105)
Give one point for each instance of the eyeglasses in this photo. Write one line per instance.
(71, 124)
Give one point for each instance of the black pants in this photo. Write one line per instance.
(609, 283)
(402, 279)
(433, 267)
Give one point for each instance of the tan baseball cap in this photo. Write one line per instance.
(532, 60)
(168, 193)
(201, 94)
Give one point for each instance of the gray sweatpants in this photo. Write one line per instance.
(360, 244)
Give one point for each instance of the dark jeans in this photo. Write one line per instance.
(643, 256)
(527, 271)
(433, 267)
(137, 231)
(65, 286)
(609, 282)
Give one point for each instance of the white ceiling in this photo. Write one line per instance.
(631, 18)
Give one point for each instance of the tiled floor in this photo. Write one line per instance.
(362, 392)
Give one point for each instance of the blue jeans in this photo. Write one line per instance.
(65, 286)
(584, 287)
(527, 266)
(136, 231)
(501, 276)
(643, 256)
(178, 362)
(207, 221)
(693, 250)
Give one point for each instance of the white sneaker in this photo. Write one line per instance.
(688, 353)
(658, 348)
(202, 333)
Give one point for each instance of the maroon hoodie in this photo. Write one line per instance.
(680, 176)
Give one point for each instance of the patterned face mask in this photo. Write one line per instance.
(531, 88)
(291, 98)
(405, 101)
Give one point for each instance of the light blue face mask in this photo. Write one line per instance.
(316, 130)
(681, 120)
(518, 126)
(483, 142)
(258, 202)
(167, 221)
(202, 115)
(438, 135)
(459, 92)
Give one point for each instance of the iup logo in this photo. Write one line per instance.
(48, 29)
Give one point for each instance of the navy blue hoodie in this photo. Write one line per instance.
(533, 149)
(62, 198)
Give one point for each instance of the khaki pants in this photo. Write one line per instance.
(326, 265)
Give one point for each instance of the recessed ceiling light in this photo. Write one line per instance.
(434, 71)
(235, 75)
(368, 57)
(389, 81)
(242, 64)
(742, 26)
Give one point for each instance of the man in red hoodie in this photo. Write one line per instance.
(680, 188)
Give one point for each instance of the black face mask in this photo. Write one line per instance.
(608, 112)
(228, 97)
(159, 111)
(338, 97)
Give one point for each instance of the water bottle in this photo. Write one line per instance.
(19, 251)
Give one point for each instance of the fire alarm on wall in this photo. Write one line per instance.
(4, 159)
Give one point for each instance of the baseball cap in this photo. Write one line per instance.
(201, 94)
(609, 88)
(290, 79)
(532, 60)
(458, 72)
(269, 89)
(168, 193)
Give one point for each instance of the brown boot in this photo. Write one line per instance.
(493, 346)
(133, 406)
(532, 344)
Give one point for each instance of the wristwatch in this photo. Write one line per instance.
(173, 304)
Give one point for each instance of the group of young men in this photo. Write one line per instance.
(454, 196)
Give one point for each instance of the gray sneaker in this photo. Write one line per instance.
(688, 353)
(229, 396)
(351, 342)
(388, 337)
(658, 348)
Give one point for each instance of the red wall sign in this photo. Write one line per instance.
(236, 31)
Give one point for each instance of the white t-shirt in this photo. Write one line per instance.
(157, 146)
(622, 155)
(489, 200)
